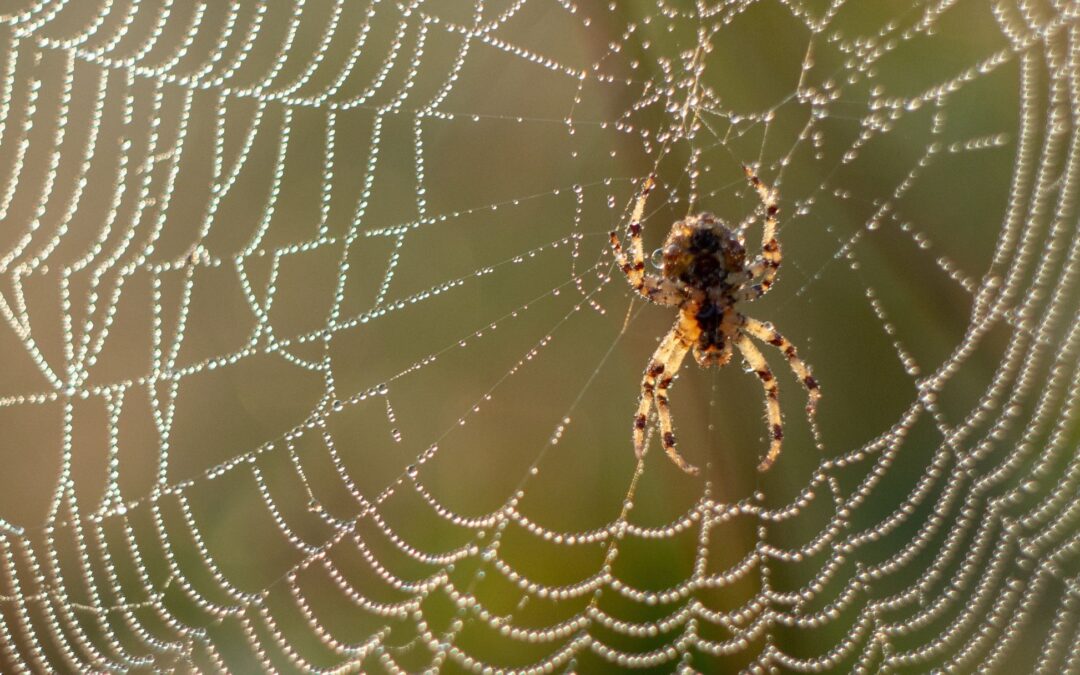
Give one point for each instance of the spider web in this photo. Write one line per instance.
(315, 358)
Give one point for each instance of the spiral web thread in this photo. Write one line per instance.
(161, 109)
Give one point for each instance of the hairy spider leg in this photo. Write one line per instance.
(768, 262)
(637, 247)
(657, 365)
(766, 333)
(758, 364)
(663, 365)
(634, 265)
(654, 288)
(663, 411)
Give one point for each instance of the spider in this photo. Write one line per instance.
(706, 275)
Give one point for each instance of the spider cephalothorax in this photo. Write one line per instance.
(705, 274)
(700, 251)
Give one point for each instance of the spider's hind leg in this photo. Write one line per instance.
(766, 333)
(761, 368)
(663, 412)
(656, 367)
(661, 370)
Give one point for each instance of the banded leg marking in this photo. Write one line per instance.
(758, 364)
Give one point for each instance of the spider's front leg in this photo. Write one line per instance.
(633, 266)
(766, 264)
(665, 362)
(654, 288)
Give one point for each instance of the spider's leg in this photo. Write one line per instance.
(767, 264)
(637, 248)
(766, 333)
(746, 291)
(656, 367)
(633, 266)
(663, 412)
(659, 290)
(758, 364)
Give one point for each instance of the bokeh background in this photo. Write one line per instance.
(307, 304)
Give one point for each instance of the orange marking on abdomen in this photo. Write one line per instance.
(688, 324)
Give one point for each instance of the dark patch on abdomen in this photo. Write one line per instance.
(708, 320)
(703, 272)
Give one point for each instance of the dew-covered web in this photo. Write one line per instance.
(314, 355)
